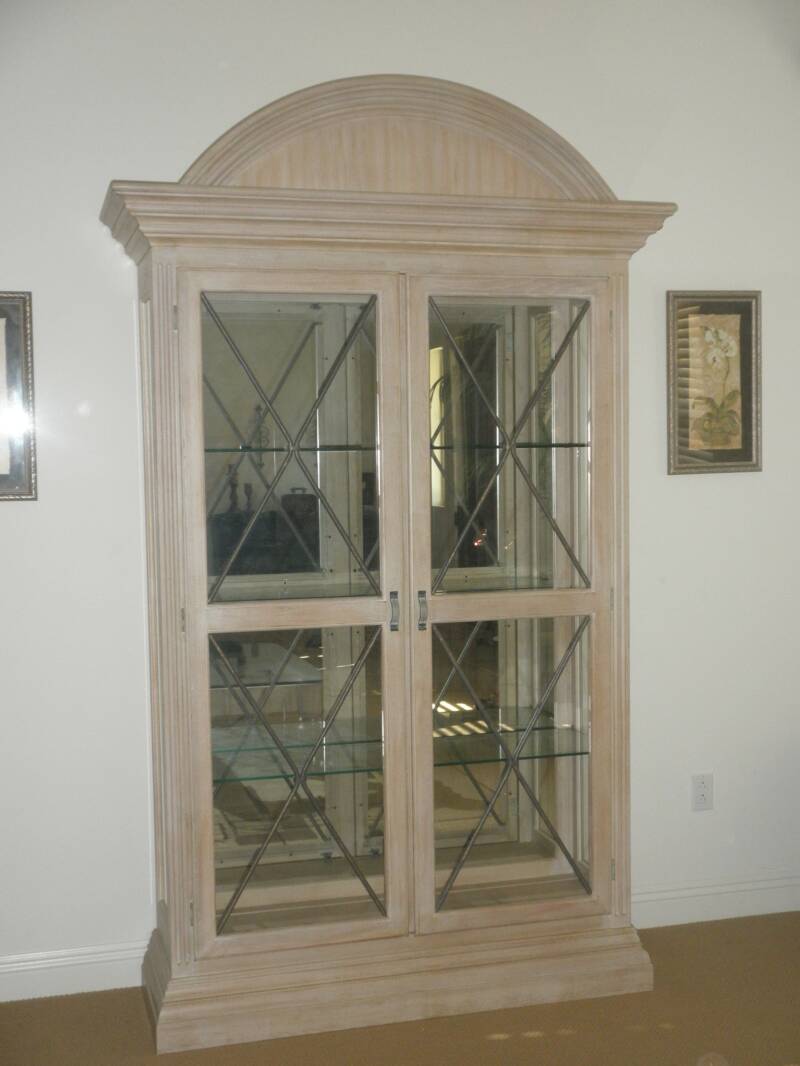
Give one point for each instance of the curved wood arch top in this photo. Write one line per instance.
(398, 134)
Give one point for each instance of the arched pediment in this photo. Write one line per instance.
(387, 161)
(398, 134)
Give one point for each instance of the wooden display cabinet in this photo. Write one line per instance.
(383, 351)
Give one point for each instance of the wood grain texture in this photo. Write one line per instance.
(620, 663)
(402, 187)
(398, 133)
(166, 597)
(425, 982)
(144, 215)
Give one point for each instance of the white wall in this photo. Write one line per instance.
(681, 101)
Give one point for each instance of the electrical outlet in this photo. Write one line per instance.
(703, 792)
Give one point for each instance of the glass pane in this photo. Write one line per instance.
(297, 768)
(511, 729)
(290, 423)
(510, 444)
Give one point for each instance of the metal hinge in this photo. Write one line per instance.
(175, 317)
(183, 619)
(611, 322)
(191, 913)
(613, 869)
(611, 598)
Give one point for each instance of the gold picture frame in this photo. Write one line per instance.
(17, 431)
(713, 381)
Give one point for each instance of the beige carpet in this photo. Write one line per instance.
(727, 994)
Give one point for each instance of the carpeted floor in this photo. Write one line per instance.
(727, 994)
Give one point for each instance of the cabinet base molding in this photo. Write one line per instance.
(409, 982)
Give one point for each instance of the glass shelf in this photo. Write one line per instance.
(257, 672)
(495, 446)
(315, 449)
(245, 449)
(257, 761)
(256, 688)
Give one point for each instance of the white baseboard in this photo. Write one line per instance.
(707, 902)
(62, 973)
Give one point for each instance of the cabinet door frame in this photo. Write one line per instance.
(594, 601)
(202, 618)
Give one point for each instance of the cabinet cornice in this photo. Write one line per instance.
(144, 215)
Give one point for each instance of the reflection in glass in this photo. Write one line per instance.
(511, 728)
(291, 450)
(17, 430)
(297, 767)
(510, 444)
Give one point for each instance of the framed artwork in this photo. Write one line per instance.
(17, 435)
(713, 381)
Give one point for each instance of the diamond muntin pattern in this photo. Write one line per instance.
(510, 744)
(291, 449)
(262, 733)
(474, 445)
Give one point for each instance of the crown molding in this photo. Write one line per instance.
(145, 215)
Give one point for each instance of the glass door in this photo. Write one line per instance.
(294, 617)
(511, 581)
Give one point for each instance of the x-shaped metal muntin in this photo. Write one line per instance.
(262, 704)
(222, 780)
(450, 741)
(219, 489)
(453, 747)
(293, 443)
(243, 706)
(512, 763)
(260, 475)
(298, 774)
(245, 446)
(485, 347)
(509, 443)
(459, 499)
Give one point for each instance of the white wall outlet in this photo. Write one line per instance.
(703, 792)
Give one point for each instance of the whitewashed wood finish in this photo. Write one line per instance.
(429, 979)
(525, 603)
(142, 215)
(166, 583)
(620, 676)
(398, 133)
(288, 614)
(523, 214)
(474, 606)
(203, 618)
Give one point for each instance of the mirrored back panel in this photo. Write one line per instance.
(291, 446)
(510, 443)
(511, 741)
(297, 733)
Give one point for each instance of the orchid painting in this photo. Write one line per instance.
(714, 363)
(714, 381)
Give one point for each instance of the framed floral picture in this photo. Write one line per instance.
(17, 438)
(713, 381)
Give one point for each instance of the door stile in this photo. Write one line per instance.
(420, 586)
(203, 619)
